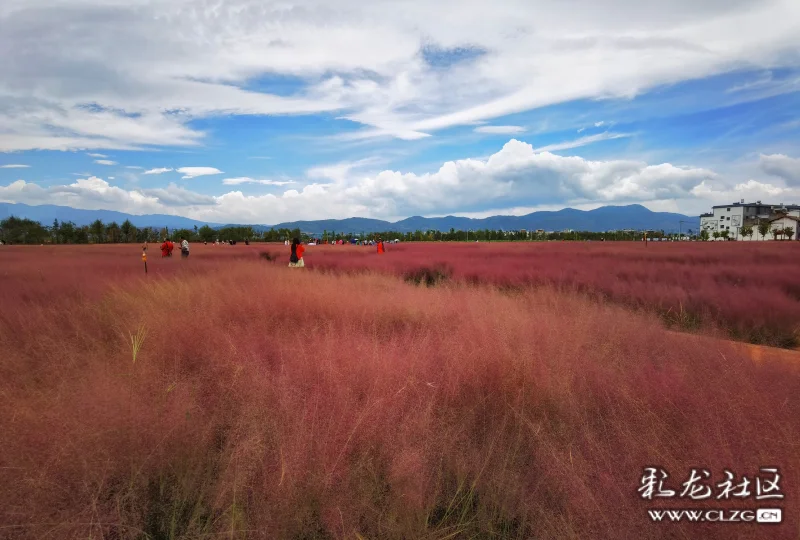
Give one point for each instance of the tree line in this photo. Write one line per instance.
(15, 230)
(494, 235)
(747, 231)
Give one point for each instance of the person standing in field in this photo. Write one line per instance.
(184, 247)
(296, 257)
(165, 248)
(170, 247)
(380, 246)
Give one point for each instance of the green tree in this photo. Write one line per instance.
(82, 235)
(145, 234)
(206, 233)
(67, 232)
(112, 232)
(746, 231)
(775, 233)
(177, 234)
(763, 228)
(715, 234)
(789, 232)
(22, 231)
(54, 231)
(237, 234)
(724, 234)
(97, 230)
(128, 231)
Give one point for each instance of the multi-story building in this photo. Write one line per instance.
(732, 217)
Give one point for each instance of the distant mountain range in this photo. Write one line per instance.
(605, 218)
(46, 213)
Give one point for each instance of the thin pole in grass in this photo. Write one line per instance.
(144, 257)
(137, 340)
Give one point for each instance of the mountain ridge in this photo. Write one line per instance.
(46, 213)
(604, 218)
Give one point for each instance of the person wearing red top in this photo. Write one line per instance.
(296, 258)
(170, 247)
(380, 246)
(165, 248)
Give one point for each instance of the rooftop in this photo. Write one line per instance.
(758, 204)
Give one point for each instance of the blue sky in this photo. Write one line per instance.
(261, 113)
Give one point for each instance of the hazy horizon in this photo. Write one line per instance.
(306, 110)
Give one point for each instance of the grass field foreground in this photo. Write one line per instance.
(247, 399)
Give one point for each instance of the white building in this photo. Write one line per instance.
(732, 217)
(790, 220)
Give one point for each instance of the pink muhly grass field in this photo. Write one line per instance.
(269, 402)
(749, 290)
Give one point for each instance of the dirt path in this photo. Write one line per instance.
(759, 354)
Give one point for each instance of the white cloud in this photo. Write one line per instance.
(502, 130)
(782, 166)
(194, 172)
(402, 134)
(340, 171)
(718, 191)
(111, 178)
(105, 162)
(764, 80)
(247, 180)
(89, 193)
(599, 124)
(136, 167)
(160, 170)
(173, 195)
(712, 193)
(151, 67)
(753, 186)
(14, 166)
(55, 126)
(583, 141)
(97, 155)
(516, 176)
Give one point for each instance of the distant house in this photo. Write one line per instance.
(782, 221)
(732, 217)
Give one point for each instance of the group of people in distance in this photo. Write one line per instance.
(297, 250)
(219, 242)
(167, 246)
(342, 242)
(295, 258)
